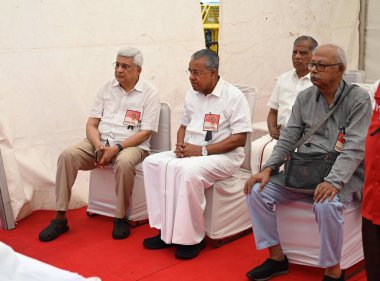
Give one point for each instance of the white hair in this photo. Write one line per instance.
(340, 54)
(134, 53)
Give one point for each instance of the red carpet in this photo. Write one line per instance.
(89, 250)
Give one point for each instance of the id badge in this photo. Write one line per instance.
(132, 118)
(340, 140)
(211, 122)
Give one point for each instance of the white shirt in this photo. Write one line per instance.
(372, 90)
(225, 100)
(284, 94)
(112, 103)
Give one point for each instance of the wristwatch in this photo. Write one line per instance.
(119, 147)
(204, 151)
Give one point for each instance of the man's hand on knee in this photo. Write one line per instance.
(109, 153)
(325, 190)
(262, 177)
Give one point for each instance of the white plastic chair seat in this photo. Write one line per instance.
(299, 233)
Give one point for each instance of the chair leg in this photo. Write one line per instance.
(89, 214)
(216, 243)
(133, 223)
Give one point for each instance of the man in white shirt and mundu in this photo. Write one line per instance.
(175, 181)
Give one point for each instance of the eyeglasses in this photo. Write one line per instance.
(124, 66)
(320, 66)
(195, 73)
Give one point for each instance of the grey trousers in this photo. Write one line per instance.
(82, 157)
(328, 215)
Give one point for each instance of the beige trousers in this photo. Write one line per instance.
(82, 157)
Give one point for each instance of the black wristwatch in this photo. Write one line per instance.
(119, 147)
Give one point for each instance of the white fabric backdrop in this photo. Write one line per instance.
(256, 37)
(372, 47)
(55, 55)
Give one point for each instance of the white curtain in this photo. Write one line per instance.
(55, 55)
(372, 42)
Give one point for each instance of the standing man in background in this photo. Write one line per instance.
(371, 196)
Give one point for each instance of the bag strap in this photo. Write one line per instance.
(324, 119)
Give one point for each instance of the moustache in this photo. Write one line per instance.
(314, 77)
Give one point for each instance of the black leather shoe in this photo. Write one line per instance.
(328, 278)
(268, 269)
(155, 243)
(53, 230)
(120, 229)
(186, 252)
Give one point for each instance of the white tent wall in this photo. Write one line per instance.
(372, 42)
(256, 37)
(55, 55)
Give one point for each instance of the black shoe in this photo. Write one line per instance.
(328, 278)
(155, 243)
(120, 229)
(53, 230)
(268, 269)
(186, 252)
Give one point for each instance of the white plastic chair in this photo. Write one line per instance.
(102, 198)
(354, 76)
(226, 214)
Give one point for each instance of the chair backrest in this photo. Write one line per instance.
(354, 76)
(161, 141)
(250, 94)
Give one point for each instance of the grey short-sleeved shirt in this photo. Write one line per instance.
(353, 114)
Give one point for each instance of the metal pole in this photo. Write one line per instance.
(6, 213)
(362, 32)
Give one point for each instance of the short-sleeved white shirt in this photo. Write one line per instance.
(112, 103)
(284, 94)
(227, 101)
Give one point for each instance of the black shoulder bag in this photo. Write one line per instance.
(304, 171)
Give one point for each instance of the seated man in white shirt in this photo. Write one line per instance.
(284, 94)
(112, 138)
(209, 147)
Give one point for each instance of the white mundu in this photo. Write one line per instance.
(174, 187)
(282, 99)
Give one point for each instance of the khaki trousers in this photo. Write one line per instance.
(82, 157)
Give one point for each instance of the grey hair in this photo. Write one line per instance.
(340, 54)
(134, 53)
(212, 58)
(314, 43)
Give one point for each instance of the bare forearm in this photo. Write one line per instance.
(92, 134)
(136, 139)
(181, 134)
(272, 119)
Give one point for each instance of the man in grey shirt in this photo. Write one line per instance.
(267, 188)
